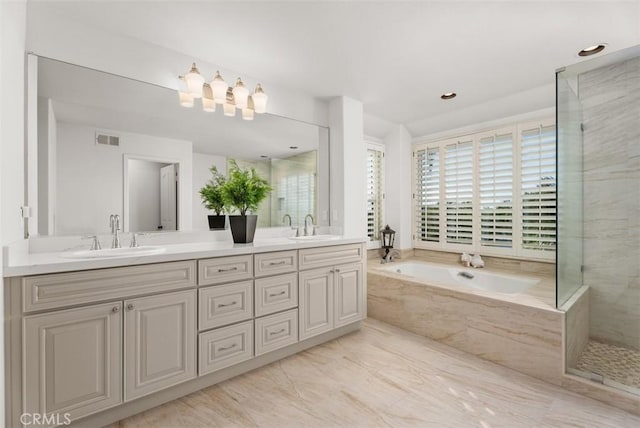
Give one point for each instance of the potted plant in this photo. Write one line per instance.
(211, 195)
(243, 192)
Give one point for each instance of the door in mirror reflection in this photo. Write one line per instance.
(152, 192)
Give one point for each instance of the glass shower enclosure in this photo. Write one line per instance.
(598, 254)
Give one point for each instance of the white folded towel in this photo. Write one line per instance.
(477, 262)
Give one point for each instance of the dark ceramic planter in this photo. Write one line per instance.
(243, 228)
(217, 222)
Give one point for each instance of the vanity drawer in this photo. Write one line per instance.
(225, 304)
(225, 269)
(326, 256)
(276, 293)
(276, 331)
(74, 288)
(275, 263)
(225, 347)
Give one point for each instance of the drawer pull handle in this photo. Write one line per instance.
(338, 270)
(115, 309)
(282, 330)
(130, 306)
(282, 262)
(224, 305)
(277, 294)
(228, 270)
(226, 348)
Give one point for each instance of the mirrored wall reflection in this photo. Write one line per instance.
(112, 145)
(295, 189)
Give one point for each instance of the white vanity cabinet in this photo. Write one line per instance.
(159, 342)
(333, 295)
(73, 360)
(81, 343)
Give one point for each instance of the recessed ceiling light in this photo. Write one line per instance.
(293, 147)
(592, 50)
(448, 95)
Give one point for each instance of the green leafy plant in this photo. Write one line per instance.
(211, 193)
(244, 189)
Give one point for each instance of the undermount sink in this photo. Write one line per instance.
(145, 250)
(314, 238)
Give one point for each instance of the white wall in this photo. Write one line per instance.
(52, 35)
(144, 194)
(201, 175)
(90, 177)
(12, 45)
(398, 191)
(348, 166)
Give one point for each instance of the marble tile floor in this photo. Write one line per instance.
(616, 363)
(382, 376)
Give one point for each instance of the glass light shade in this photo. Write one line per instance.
(219, 87)
(260, 99)
(186, 99)
(194, 81)
(240, 94)
(208, 104)
(247, 114)
(229, 110)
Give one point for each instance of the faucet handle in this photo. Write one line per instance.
(134, 239)
(95, 244)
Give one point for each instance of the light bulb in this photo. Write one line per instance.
(186, 99)
(219, 87)
(260, 99)
(194, 81)
(240, 94)
(208, 104)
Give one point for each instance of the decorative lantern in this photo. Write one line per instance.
(388, 236)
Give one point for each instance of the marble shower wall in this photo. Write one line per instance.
(611, 148)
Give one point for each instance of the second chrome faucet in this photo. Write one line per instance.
(114, 223)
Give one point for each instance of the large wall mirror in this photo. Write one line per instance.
(113, 145)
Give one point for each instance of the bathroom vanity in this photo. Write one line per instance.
(102, 339)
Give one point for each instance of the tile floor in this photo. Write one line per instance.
(382, 376)
(618, 364)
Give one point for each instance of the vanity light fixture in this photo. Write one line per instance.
(218, 92)
(592, 50)
(448, 95)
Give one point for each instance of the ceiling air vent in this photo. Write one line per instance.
(107, 140)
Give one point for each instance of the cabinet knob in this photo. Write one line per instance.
(130, 306)
(115, 309)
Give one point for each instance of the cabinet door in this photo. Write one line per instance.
(349, 301)
(72, 360)
(159, 342)
(315, 302)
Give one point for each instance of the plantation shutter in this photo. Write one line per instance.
(427, 194)
(459, 192)
(375, 192)
(496, 190)
(538, 187)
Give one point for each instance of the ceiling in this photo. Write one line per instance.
(105, 101)
(396, 57)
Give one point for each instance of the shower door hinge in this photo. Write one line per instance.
(582, 127)
(582, 269)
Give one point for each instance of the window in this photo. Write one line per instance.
(492, 192)
(375, 190)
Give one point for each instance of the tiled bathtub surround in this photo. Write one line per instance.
(611, 143)
(523, 332)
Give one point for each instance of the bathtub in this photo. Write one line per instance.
(466, 277)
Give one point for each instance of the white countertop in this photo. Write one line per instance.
(51, 262)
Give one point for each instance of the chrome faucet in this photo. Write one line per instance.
(114, 223)
(306, 231)
(95, 242)
(286, 216)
